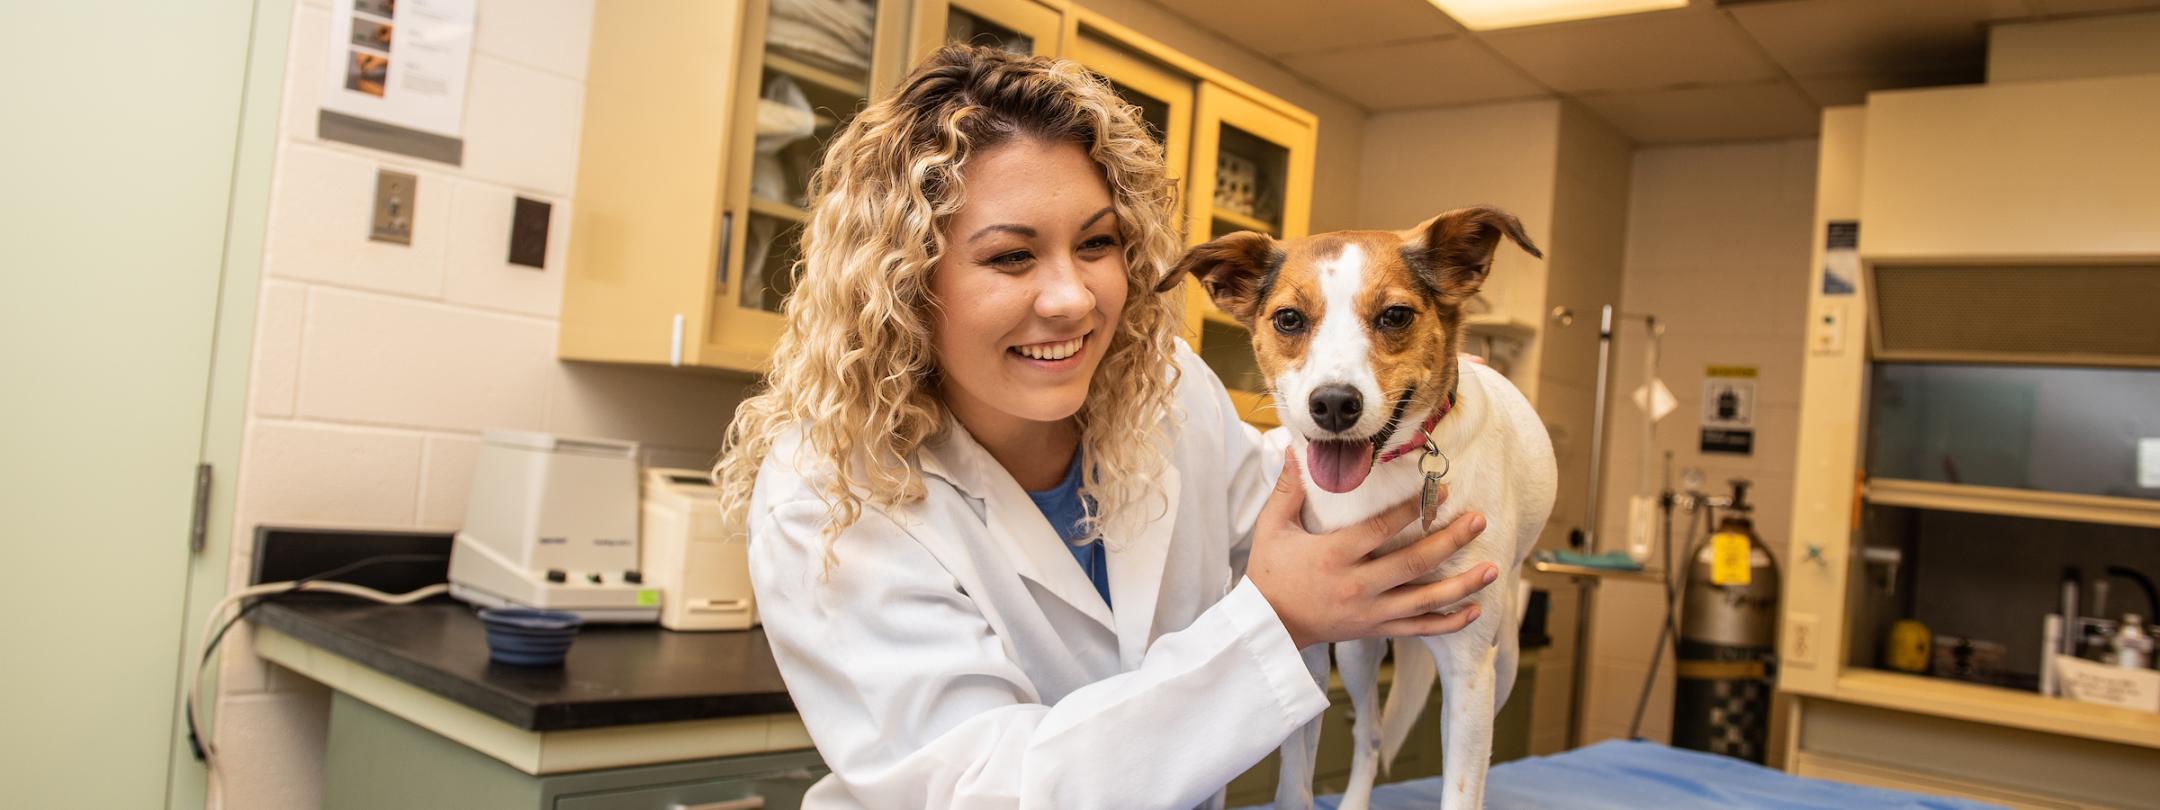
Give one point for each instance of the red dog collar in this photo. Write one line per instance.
(1424, 432)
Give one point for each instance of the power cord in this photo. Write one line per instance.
(1669, 631)
(199, 741)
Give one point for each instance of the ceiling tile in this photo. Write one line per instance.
(1279, 28)
(1832, 91)
(1715, 113)
(2093, 6)
(1421, 73)
(1635, 52)
(1837, 37)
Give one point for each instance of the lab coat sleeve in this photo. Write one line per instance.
(1253, 460)
(914, 702)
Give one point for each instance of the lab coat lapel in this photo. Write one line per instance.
(1136, 568)
(1015, 524)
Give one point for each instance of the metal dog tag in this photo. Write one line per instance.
(1429, 497)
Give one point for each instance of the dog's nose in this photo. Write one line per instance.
(1336, 407)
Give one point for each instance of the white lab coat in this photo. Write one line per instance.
(958, 658)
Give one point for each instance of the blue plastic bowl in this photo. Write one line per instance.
(527, 637)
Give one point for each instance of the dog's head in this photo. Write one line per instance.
(1356, 331)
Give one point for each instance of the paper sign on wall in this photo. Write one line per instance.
(1728, 421)
(400, 63)
(1841, 257)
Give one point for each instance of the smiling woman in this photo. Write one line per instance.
(976, 389)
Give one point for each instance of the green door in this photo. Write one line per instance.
(116, 183)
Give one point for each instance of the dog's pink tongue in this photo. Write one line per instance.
(1339, 466)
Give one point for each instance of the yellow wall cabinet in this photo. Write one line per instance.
(703, 122)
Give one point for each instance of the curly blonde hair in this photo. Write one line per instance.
(855, 368)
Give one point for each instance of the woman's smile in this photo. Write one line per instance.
(1055, 356)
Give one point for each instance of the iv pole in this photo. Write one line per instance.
(1586, 579)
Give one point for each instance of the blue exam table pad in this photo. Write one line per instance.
(1635, 774)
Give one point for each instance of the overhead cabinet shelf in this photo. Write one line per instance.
(686, 229)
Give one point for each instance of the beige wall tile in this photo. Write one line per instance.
(272, 749)
(479, 272)
(660, 406)
(320, 206)
(387, 361)
(552, 35)
(304, 67)
(521, 126)
(273, 379)
(446, 469)
(303, 474)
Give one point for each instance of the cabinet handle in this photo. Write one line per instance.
(745, 803)
(727, 233)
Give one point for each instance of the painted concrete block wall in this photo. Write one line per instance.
(1718, 248)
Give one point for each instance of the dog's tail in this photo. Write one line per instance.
(1414, 674)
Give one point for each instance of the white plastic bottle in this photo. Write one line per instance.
(2133, 648)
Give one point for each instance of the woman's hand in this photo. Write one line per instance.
(1325, 589)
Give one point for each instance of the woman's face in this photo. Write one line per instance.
(1030, 286)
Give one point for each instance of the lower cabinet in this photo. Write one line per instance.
(374, 760)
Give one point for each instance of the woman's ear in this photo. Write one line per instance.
(1453, 252)
(1230, 269)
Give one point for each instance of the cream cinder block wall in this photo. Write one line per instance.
(1718, 248)
(376, 365)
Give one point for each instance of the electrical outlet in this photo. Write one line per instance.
(395, 195)
(1800, 641)
(1828, 335)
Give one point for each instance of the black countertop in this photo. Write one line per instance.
(615, 675)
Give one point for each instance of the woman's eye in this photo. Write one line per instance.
(1099, 243)
(1396, 317)
(1289, 321)
(1010, 260)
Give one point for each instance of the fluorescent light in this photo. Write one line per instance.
(1485, 15)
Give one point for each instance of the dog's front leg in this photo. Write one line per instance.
(1293, 785)
(1359, 663)
(1467, 691)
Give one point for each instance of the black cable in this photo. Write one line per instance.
(1665, 631)
(195, 744)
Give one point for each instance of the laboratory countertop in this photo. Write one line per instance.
(614, 675)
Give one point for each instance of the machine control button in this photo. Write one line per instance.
(633, 577)
(557, 575)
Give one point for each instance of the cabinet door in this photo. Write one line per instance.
(1020, 26)
(806, 72)
(1165, 99)
(1251, 171)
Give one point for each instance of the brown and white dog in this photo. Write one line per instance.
(1357, 333)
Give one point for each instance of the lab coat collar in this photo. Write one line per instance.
(1137, 550)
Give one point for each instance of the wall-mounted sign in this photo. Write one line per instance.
(1728, 420)
(397, 75)
(1841, 257)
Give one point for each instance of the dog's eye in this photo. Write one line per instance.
(1289, 321)
(1395, 317)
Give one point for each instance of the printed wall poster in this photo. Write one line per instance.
(401, 63)
(1728, 420)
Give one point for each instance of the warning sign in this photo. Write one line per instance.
(1728, 422)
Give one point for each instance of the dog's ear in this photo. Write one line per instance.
(1452, 253)
(1230, 270)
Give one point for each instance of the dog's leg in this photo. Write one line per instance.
(1293, 785)
(1359, 662)
(1467, 705)
(1405, 698)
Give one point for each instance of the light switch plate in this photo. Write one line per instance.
(1800, 640)
(1828, 335)
(395, 195)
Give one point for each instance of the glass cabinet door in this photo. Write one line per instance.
(816, 64)
(1252, 171)
(1020, 26)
